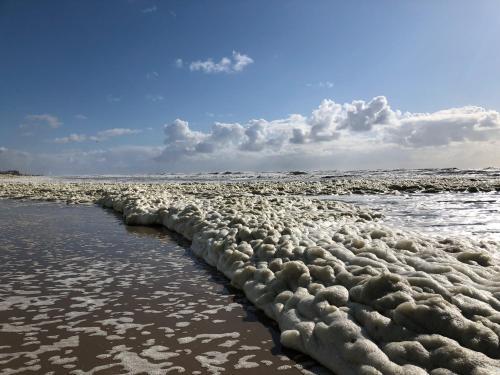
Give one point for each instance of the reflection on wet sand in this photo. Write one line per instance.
(83, 294)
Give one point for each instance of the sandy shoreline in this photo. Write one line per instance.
(357, 296)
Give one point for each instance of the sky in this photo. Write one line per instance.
(150, 86)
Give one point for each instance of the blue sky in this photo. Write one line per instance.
(80, 78)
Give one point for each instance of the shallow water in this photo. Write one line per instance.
(444, 214)
(82, 293)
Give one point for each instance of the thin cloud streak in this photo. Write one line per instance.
(150, 9)
(321, 85)
(41, 120)
(155, 98)
(99, 137)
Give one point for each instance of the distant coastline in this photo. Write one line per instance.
(12, 173)
(16, 173)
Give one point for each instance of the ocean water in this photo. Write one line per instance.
(228, 176)
(475, 215)
(440, 214)
(82, 292)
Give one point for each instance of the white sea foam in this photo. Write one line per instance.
(207, 337)
(245, 362)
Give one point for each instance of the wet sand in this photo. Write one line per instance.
(80, 292)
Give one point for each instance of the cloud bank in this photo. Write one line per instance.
(357, 125)
(356, 135)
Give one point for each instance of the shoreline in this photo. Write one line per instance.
(351, 293)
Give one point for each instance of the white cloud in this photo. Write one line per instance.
(355, 116)
(466, 124)
(241, 61)
(357, 126)
(71, 138)
(80, 116)
(154, 98)
(256, 135)
(150, 9)
(100, 136)
(236, 63)
(179, 63)
(116, 132)
(42, 120)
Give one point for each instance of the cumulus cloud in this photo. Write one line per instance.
(100, 136)
(327, 123)
(42, 120)
(362, 124)
(236, 63)
(357, 116)
(446, 127)
(256, 135)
